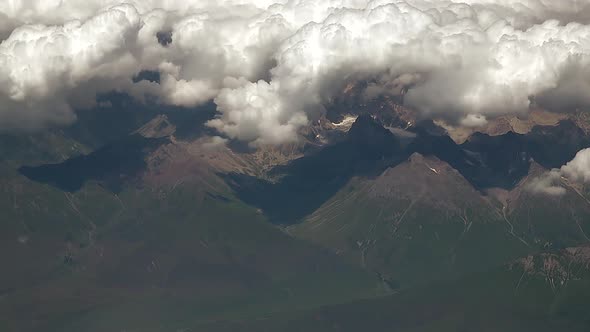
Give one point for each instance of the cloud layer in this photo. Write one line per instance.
(272, 65)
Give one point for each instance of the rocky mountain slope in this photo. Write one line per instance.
(159, 227)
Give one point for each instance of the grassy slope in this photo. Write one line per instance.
(149, 256)
(157, 259)
(490, 301)
(413, 225)
(36, 219)
(95, 260)
(553, 222)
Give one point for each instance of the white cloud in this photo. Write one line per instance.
(40, 65)
(578, 170)
(548, 184)
(255, 112)
(270, 65)
(474, 121)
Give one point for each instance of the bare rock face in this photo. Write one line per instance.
(504, 124)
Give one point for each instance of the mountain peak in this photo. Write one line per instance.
(416, 157)
(368, 130)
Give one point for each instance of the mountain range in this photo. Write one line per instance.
(373, 220)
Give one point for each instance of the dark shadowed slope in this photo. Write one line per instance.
(306, 183)
(111, 165)
(297, 189)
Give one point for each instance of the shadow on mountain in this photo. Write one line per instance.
(190, 123)
(118, 114)
(368, 149)
(118, 157)
(306, 183)
(112, 165)
(553, 146)
(502, 161)
(485, 161)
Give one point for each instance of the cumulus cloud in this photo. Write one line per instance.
(577, 170)
(548, 184)
(474, 121)
(255, 112)
(40, 65)
(271, 65)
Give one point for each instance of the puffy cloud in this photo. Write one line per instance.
(56, 12)
(45, 71)
(548, 184)
(255, 112)
(40, 65)
(460, 62)
(271, 65)
(578, 170)
(474, 120)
